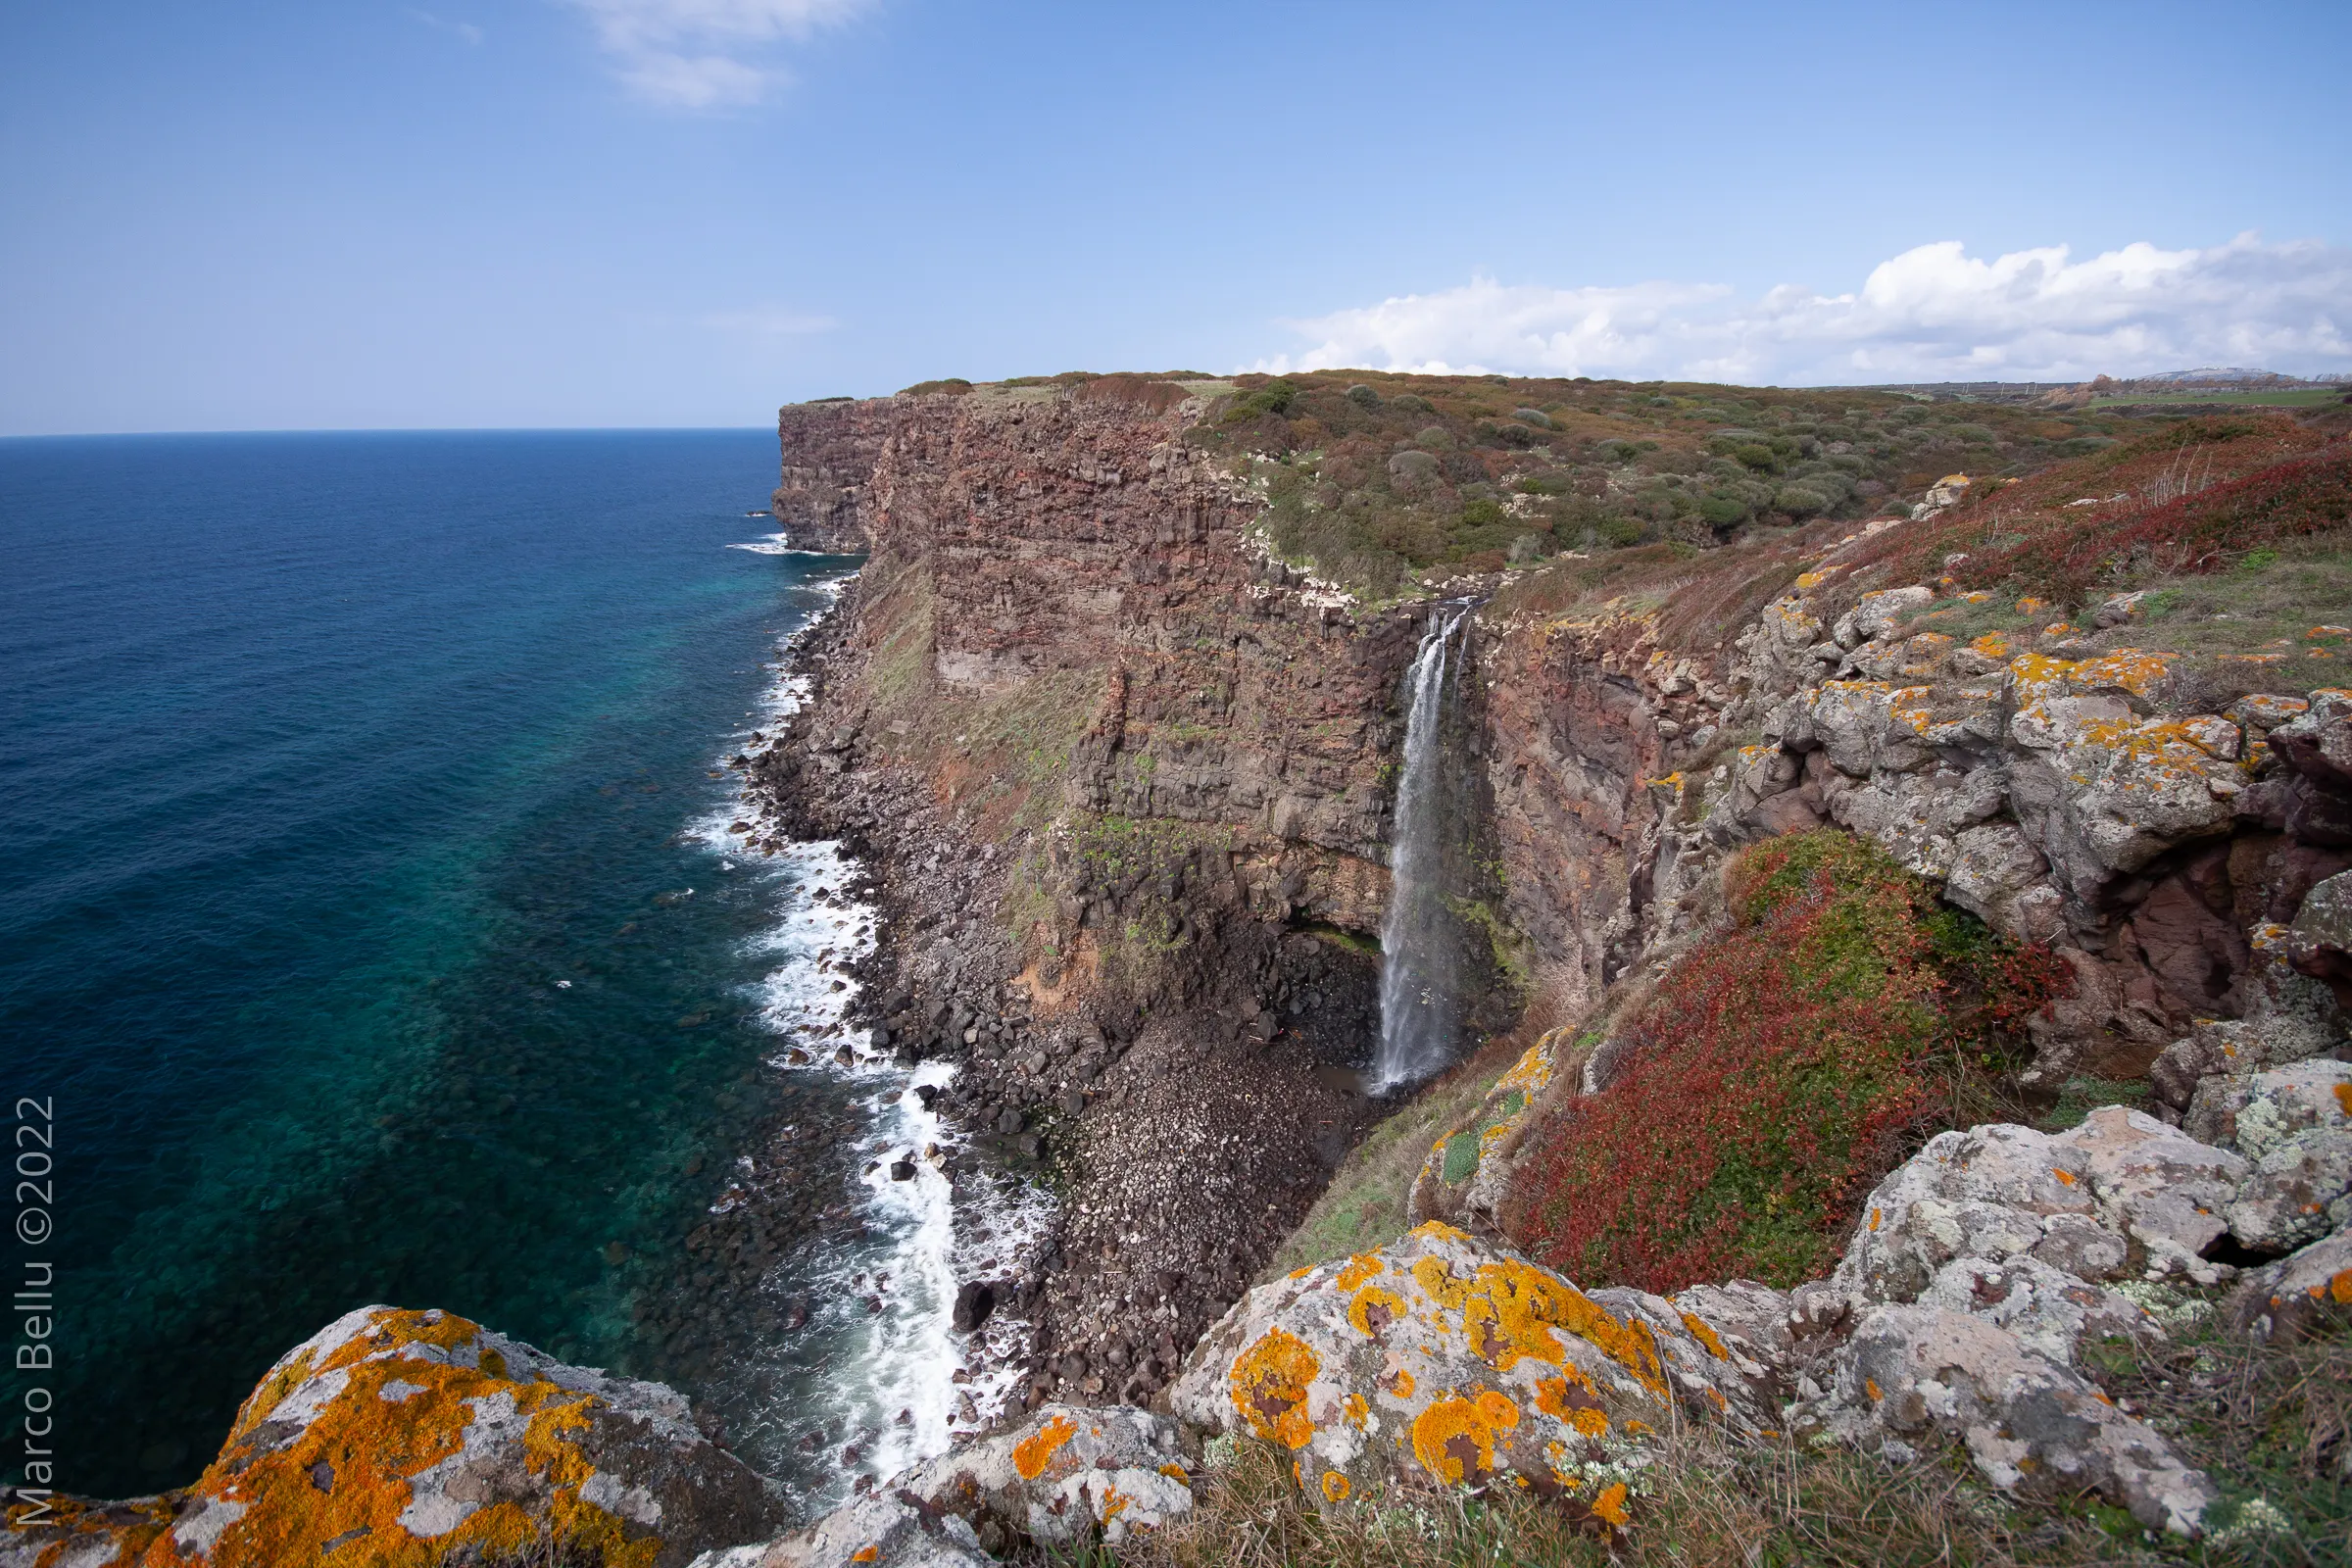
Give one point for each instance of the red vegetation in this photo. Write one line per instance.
(1778, 1072)
(2192, 496)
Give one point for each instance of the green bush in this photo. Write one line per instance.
(1800, 501)
(1363, 396)
(1434, 438)
(1412, 403)
(1535, 416)
(1759, 457)
(1722, 509)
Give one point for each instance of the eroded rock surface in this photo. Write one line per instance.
(406, 1436)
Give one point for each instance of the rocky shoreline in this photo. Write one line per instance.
(1180, 1144)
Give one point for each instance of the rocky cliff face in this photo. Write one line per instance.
(1125, 776)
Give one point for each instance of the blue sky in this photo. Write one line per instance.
(683, 212)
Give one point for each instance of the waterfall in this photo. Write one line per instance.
(1418, 934)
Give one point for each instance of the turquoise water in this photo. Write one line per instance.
(344, 812)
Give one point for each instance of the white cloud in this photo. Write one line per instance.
(769, 321)
(463, 29)
(1933, 314)
(706, 54)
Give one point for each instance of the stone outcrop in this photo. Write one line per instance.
(406, 1436)
(1064, 1479)
(1446, 1359)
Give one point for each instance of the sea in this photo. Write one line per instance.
(379, 925)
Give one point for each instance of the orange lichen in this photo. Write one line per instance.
(1869, 1387)
(1705, 1336)
(1590, 1422)
(1611, 1505)
(1357, 1412)
(409, 1386)
(1175, 1472)
(1361, 1267)
(1400, 1384)
(1269, 1384)
(1335, 1487)
(1455, 1438)
(2132, 669)
(2065, 1176)
(1372, 1309)
(1034, 1452)
(866, 1554)
(1114, 1502)
(2340, 1286)
(2343, 1098)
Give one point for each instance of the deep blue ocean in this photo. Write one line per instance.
(347, 806)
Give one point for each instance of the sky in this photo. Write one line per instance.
(345, 213)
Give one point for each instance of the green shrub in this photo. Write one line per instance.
(1363, 396)
(1412, 403)
(1800, 501)
(1535, 416)
(1722, 509)
(1759, 457)
(1433, 438)
(952, 386)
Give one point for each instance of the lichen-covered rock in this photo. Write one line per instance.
(1992, 1193)
(2159, 1187)
(2288, 1017)
(2297, 1296)
(892, 1529)
(397, 1437)
(1064, 1476)
(2298, 1191)
(2254, 1112)
(2031, 1424)
(2320, 942)
(2050, 1311)
(1446, 1357)
(1462, 1179)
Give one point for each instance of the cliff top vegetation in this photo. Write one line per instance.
(1378, 478)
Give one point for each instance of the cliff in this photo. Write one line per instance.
(1924, 897)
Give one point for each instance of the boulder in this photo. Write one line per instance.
(1445, 1357)
(892, 1529)
(2031, 1425)
(2298, 1295)
(2320, 942)
(2254, 1112)
(2298, 1191)
(1064, 1478)
(2048, 1310)
(2159, 1187)
(398, 1436)
(1990, 1193)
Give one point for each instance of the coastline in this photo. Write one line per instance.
(1184, 1147)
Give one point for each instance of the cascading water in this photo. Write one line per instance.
(1418, 934)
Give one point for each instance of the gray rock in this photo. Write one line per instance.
(2159, 1187)
(2254, 1112)
(2052, 1312)
(2298, 1295)
(2297, 1193)
(1912, 1374)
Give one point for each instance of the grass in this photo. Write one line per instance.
(1365, 1205)
(2272, 1426)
